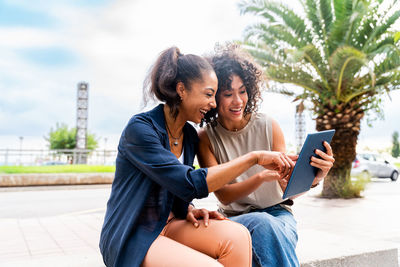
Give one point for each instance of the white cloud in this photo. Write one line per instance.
(23, 37)
(116, 44)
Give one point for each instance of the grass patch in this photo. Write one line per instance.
(56, 169)
(397, 165)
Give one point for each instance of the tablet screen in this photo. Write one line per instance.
(303, 173)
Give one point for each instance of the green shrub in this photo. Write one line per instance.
(353, 187)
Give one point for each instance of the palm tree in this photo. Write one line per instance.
(341, 54)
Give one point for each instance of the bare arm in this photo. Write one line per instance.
(278, 139)
(279, 144)
(231, 192)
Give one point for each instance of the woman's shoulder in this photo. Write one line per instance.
(145, 124)
(260, 116)
(202, 133)
(265, 119)
(139, 121)
(208, 131)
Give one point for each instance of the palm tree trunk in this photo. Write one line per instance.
(346, 121)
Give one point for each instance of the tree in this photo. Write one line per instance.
(63, 138)
(396, 146)
(342, 55)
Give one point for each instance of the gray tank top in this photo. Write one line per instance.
(228, 145)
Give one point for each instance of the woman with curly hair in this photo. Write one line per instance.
(234, 128)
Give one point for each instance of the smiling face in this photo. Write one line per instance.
(197, 101)
(232, 103)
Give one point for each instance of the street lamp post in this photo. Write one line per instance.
(21, 139)
(105, 147)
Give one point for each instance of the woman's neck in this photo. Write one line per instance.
(233, 125)
(174, 125)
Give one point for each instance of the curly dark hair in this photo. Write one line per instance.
(229, 60)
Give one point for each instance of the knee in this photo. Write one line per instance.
(234, 246)
(262, 223)
(266, 226)
(236, 232)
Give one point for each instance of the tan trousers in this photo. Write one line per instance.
(180, 244)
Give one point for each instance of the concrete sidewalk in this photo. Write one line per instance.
(358, 232)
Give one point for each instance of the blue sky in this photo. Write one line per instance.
(47, 47)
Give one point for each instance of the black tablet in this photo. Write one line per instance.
(303, 173)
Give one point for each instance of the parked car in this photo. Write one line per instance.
(373, 165)
(50, 163)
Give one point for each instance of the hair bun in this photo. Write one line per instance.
(178, 52)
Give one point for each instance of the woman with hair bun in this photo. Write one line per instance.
(149, 219)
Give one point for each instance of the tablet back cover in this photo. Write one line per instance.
(303, 173)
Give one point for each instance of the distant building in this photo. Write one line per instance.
(300, 126)
(82, 120)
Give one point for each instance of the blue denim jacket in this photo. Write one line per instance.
(149, 183)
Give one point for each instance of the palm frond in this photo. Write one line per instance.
(257, 8)
(312, 55)
(255, 34)
(383, 80)
(389, 81)
(325, 7)
(278, 88)
(391, 61)
(314, 17)
(396, 37)
(278, 12)
(273, 33)
(262, 53)
(380, 46)
(292, 20)
(381, 29)
(360, 9)
(369, 22)
(343, 13)
(345, 62)
(295, 76)
(358, 93)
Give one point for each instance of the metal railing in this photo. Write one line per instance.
(32, 157)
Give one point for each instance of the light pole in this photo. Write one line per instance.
(105, 147)
(21, 139)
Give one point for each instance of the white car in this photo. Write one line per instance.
(373, 165)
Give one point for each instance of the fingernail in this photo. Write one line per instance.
(206, 224)
(196, 225)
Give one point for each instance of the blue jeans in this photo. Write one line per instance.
(274, 236)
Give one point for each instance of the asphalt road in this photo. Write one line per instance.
(46, 201)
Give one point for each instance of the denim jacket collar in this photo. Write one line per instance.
(158, 118)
